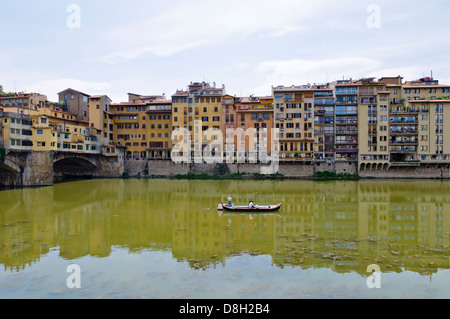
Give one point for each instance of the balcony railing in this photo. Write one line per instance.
(404, 142)
(409, 111)
(403, 150)
(349, 132)
(346, 122)
(368, 101)
(346, 102)
(403, 121)
(404, 131)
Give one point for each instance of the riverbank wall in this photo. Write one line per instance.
(167, 168)
(38, 169)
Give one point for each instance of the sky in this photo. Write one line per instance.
(156, 47)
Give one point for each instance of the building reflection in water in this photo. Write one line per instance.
(344, 226)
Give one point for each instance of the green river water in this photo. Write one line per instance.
(166, 239)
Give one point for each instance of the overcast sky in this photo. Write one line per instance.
(155, 47)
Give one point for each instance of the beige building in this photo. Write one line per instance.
(431, 134)
(294, 117)
(405, 122)
(16, 131)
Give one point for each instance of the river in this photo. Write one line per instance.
(166, 239)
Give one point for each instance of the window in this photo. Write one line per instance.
(40, 132)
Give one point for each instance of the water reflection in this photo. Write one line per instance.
(343, 226)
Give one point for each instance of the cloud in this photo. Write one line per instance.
(297, 71)
(203, 24)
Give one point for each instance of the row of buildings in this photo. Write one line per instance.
(365, 121)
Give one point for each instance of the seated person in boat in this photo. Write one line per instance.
(250, 205)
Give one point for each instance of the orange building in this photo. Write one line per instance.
(244, 114)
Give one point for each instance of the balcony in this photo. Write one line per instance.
(368, 101)
(404, 132)
(346, 150)
(407, 111)
(403, 121)
(346, 102)
(340, 91)
(403, 150)
(343, 122)
(404, 142)
(346, 132)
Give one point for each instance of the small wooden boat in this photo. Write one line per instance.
(246, 209)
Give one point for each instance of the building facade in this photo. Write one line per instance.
(75, 102)
(294, 117)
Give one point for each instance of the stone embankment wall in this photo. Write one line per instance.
(168, 168)
(408, 172)
(109, 167)
(37, 169)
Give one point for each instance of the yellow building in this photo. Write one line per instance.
(44, 137)
(159, 129)
(144, 128)
(203, 103)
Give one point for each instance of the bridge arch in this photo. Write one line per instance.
(68, 166)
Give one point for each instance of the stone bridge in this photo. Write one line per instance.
(75, 164)
(22, 169)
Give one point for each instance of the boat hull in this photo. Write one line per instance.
(246, 209)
